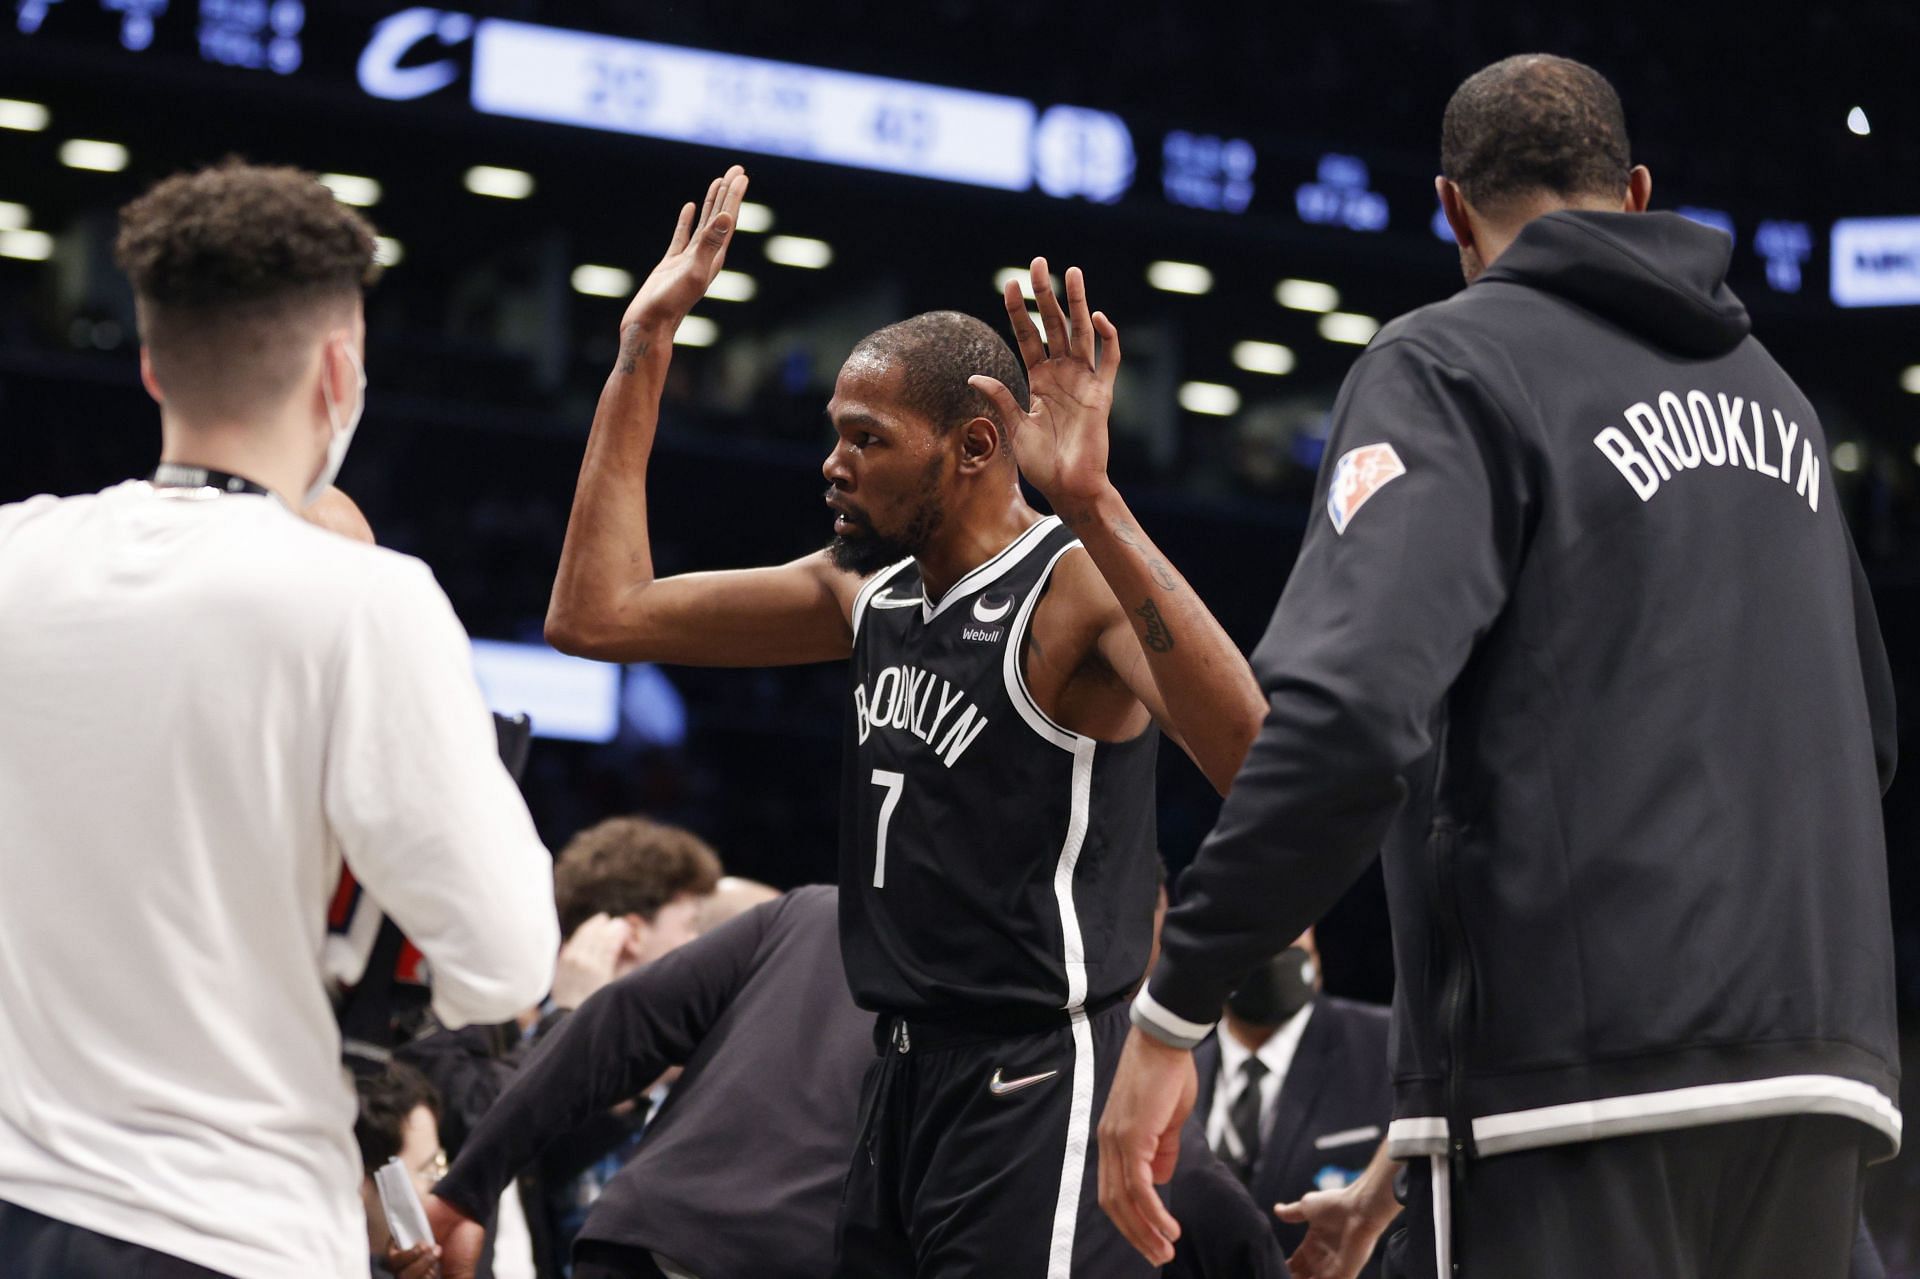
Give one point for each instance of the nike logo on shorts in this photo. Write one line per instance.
(1001, 1087)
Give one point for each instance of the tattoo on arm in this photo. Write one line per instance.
(1162, 574)
(1158, 638)
(1125, 534)
(632, 346)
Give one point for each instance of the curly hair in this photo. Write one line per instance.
(937, 352)
(235, 269)
(629, 866)
(1534, 124)
(386, 1099)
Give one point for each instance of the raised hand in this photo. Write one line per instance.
(694, 256)
(1060, 441)
(589, 959)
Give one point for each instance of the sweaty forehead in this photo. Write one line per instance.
(870, 386)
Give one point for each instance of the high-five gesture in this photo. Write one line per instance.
(1061, 441)
(694, 257)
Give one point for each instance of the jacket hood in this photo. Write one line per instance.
(1657, 275)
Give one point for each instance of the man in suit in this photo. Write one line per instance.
(1294, 1090)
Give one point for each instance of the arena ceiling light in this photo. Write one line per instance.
(1857, 122)
(1307, 295)
(1348, 327)
(93, 155)
(387, 251)
(1019, 275)
(28, 246)
(696, 330)
(733, 286)
(602, 281)
(799, 251)
(1910, 379)
(1210, 398)
(501, 184)
(1848, 457)
(14, 217)
(1179, 277)
(349, 188)
(27, 117)
(1263, 357)
(755, 219)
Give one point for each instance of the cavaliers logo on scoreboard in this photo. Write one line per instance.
(1357, 476)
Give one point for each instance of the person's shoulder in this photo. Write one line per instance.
(14, 515)
(352, 569)
(1363, 1020)
(809, 906)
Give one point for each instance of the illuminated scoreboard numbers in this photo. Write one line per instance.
(752, 104)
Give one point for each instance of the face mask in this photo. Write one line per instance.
(1276, 990)
(342, 435)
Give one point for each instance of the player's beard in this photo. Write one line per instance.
(868, 551)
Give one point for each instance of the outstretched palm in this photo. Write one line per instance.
(1060, 440)
(694, 256)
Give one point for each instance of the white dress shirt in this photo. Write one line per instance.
(1276, 1055)
(207, 704)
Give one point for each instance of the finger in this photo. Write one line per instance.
(1109, 348)
(730, 202)
(1033, 347)
(1011, 414)
(713, 195)
(1155, 1222)
(1294, 1212)
(682, 231)
(1082, 337)
(1059, 335)
(1113, 1197)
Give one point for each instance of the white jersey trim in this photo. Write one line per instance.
(872, 588)
(1657, 1112)
(1066, 1208)
(1072, 945)
(1014, 667)
(986, 574)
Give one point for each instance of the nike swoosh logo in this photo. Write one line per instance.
(887, 601)
(1001, 1087)
(983, 613)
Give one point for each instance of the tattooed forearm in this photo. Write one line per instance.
(1162, 574)
(633, 345)
(1158, 638)
(1125, 534)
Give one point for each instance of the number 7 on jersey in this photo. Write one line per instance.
(893, 784)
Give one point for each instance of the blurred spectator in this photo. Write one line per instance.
(627, 891)
(399, 1118)
(1294, 1091)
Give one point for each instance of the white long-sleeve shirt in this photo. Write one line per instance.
(204, 705)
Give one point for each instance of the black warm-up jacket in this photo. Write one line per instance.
(1578, 551)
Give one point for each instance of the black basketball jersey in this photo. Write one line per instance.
(988, 856)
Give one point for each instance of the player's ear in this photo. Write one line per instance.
(978, 444)
(147, 379)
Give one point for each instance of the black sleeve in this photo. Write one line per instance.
(1874, 669)
(615, 1044)
(1407, 561)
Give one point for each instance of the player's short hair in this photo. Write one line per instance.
(236, 269)
(936, 353)
(386, 1099)
(1532, 124)
(629, 866)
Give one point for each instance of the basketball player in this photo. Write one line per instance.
(997, 843)
(1583, 591)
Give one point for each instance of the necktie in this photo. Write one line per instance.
(1243, 1122)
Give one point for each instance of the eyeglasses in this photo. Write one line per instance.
(434, 1169)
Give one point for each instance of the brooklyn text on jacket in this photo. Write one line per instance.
(1702, 430)
(920, 702)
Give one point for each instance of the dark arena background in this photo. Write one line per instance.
(1248, 190)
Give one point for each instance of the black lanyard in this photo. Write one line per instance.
(172, 475)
